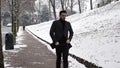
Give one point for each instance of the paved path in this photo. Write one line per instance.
(35, 55)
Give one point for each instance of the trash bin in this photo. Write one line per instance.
(9, 41)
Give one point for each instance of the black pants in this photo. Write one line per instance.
(62, 51)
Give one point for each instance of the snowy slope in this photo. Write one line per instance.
(97, 38)
(96, 35)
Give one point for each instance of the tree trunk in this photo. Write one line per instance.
(108, 1)
(17, 15)
(39, 12)
(91, 5)
(49, 10)
(15, 19)
(67, 4)
(12, 14)
(62, 4)
(71, 6)
(1, 52)
(54, 9)
(54, 13)
(79, 6)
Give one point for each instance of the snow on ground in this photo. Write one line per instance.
(96, 35)
(72, 62)
(17, 48)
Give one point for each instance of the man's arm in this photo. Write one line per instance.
(71, 32)
(52, 32)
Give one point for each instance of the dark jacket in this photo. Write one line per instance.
(57, 32)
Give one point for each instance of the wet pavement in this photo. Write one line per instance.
(29, 53)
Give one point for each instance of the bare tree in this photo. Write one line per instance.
(49, 6)
(62, 4)
(4, 5)
(38, 9)
(79, 6)
(54, 8)
(91, 5)
(72, 4)
(1, 53)
(71, 7)
(27, 6)
(45, 13)
(67, 4)
(108, 1)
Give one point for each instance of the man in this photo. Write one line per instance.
(61, 33)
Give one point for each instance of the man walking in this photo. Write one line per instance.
(61, 33)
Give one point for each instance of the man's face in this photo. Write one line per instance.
(63, 16)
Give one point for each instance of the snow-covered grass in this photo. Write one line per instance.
(96, 35)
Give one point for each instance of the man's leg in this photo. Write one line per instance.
(65, 57)
(58, 57)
